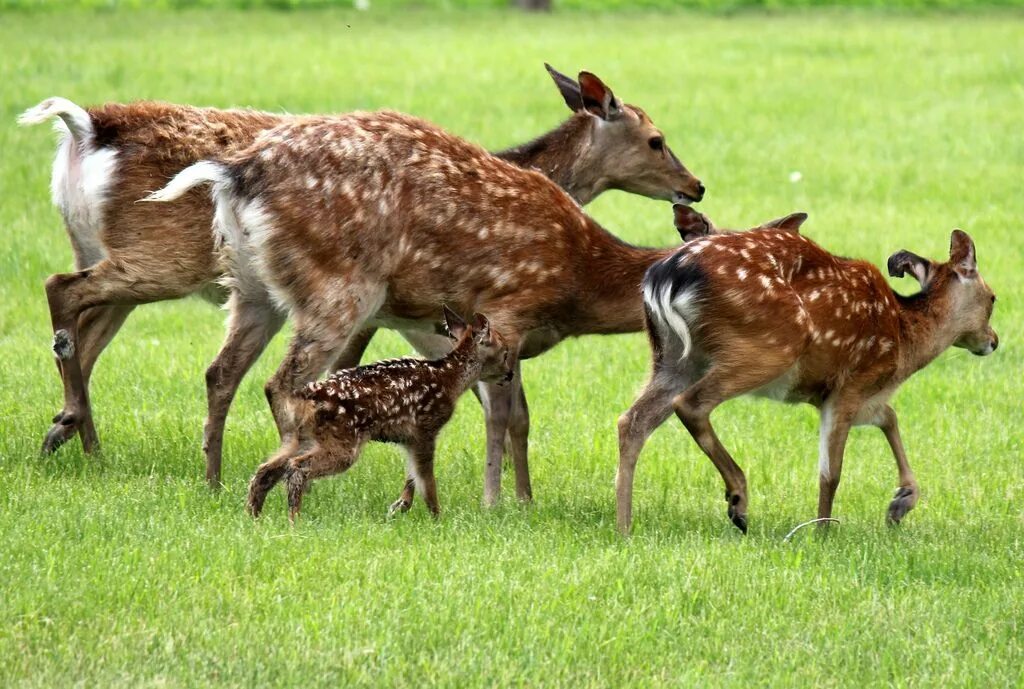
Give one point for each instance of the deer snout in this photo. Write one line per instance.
(692, 194)
(990, 346)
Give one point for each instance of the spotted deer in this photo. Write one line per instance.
(127, 253)
(775, 315)
(379, 218)
(405, 401)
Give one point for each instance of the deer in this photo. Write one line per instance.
(127, 253)
(406, 401)
(379, 218)
(773, 314)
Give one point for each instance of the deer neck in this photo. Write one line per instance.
(924, 334)
(565, 155)
(462, 365)
(610, 295)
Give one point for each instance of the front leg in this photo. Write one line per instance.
(498, 412)
(908, 493)
(837, 415)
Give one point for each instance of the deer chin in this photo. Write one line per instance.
(682, 199)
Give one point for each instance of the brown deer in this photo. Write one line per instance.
(774, 315)
(381, 217)
(128, 253)
(405, 401)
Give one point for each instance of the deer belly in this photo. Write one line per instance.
(782, 389)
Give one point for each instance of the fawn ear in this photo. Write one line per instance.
(481, 327)
(903, 262)
(690, 224)
(791, 223)
(962, 256)
(456, 326)
(598, 99)
(568, 87)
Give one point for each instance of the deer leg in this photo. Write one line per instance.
(321, 331)
(694, 407)
(518, 437)
(908, 493)
(498, 412)
(649, 411)
(837, 415)
(404, 501)
(352, 353)
(421, 467)
(69, 295)
(96, 328)
(251, 325)
(267, 476)
(330, 456)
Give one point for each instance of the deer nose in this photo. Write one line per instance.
(700, 190)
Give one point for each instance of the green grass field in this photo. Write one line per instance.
(123, 569)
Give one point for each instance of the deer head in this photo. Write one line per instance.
(626, 148)
(489, 348)
(962, 297)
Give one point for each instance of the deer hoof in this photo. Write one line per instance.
(63, 345)
(902, 502)
(64, 428)
(401, 505)
(739, 519)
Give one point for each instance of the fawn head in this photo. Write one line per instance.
(640, 161)
(489, 348)
(963, 296)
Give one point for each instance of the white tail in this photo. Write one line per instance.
(76, 119)
(668, 312)
(203, 172)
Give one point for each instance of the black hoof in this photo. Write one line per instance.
(903, 501)
(63, 430)
(740, 520)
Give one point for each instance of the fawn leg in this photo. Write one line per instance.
(649, 411)
(694, 407)
(253, 321)
(908, 493)
(328, 456)
(837, 415)
(421, 466)
(267, 476)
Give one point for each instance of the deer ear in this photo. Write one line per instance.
(481, 327)
(962, 256)
(568, 87)
(456, 326)
(598, 99)
(690, 224)
(903, 262)
(791, 223)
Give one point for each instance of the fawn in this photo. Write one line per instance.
(405, 401)
(127, 253)
(773, 314)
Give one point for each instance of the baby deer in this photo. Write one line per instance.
(772, 314)
(406, 401)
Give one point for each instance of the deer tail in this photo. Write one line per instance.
(73, 119)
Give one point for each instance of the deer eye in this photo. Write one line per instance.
(657, 143)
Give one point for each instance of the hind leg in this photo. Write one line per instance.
(421, 467)
(251, 325)
(96, 327)
(267, 476)
(720, 383)
(650, 410)
(327, 457)
(323, 326)
(108, 283)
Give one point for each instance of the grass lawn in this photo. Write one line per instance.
(124, 570)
